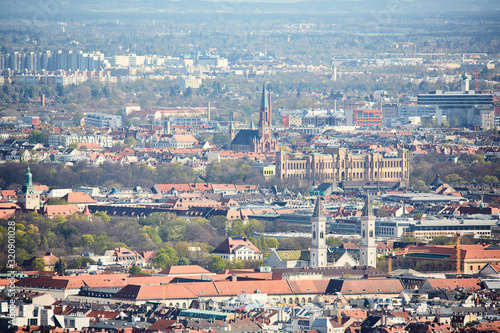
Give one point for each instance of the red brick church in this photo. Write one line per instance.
(260, 140)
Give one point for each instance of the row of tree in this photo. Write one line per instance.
(178, 241)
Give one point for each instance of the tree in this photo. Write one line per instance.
(38, 264)
(421, 186)
(130, 141)
(183, 261)
(272, 243)
(38, 137)
(216, 264)
(82, 262)
(56, 201)
(60, 267)
(135, 269)
(60, 89)
(220, 225)
(103, 216)
(165, 257)
(453, 178)
(490, 179)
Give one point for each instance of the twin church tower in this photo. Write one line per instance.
(367, 248)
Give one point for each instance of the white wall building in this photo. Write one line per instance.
(103, 120)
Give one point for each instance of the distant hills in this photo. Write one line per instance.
(61, 10)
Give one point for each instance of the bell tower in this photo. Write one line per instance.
(318, 255)
(29, 198)
(368, 248)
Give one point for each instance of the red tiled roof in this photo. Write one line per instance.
(161, 325)
(78, 197)
(309, 286)
(185, 270)
(452, 284)
(103, 314)
(52, 210)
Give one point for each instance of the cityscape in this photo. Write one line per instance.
(326, 166)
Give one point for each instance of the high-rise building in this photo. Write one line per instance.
(368, 247)
(457, 106)
(318, 252)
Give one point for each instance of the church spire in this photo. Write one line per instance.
(264, 103)
(28, 178)
(318, 208)
(367, 209)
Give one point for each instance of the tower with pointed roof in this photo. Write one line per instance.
(318, 253)
(29, 198)
(260, 140)
(231, 129)
(264, 114)
(368, 248)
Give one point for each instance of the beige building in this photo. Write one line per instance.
(339, 164)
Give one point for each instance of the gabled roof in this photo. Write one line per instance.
(52, 210)
(365, 286)
(289, 255)
(78, 197)
(245, 137)
(161, 325)
(185, 270)
(309, 286)
(231, 243)
(452, 284)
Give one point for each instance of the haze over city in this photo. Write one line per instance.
(249, 166)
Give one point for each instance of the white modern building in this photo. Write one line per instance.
(103, 120)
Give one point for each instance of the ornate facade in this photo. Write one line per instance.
(338, 164)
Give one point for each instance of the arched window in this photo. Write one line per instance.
(321, 235)
(371, 233)
(364, 234)
(314, 234)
